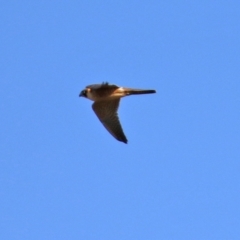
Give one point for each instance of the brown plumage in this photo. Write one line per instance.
(106, 102)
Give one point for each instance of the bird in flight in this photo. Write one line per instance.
(106, 99)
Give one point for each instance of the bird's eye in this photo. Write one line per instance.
(84, 92)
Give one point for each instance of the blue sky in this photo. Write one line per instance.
(63, 176)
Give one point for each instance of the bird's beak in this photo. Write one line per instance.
(81, 94)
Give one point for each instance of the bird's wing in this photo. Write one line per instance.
(106, 111)
(102, 86)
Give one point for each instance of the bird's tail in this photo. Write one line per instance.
(131, 91)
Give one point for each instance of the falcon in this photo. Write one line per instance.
(106, 99)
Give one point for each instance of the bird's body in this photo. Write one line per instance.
(106, 99)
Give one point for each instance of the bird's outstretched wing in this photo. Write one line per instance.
(106, 111)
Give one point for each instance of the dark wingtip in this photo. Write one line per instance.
(123, 140)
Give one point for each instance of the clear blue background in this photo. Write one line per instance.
(63, 176)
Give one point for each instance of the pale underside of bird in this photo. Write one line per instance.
(106, 99)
